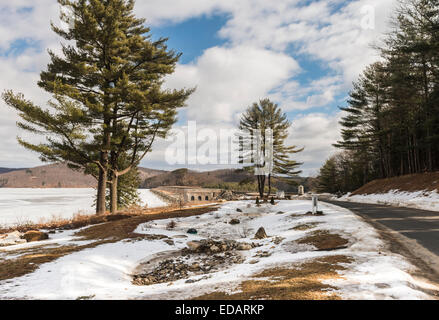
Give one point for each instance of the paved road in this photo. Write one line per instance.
(420, 225)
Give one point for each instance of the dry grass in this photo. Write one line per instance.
(80, 220)
(324, 241)
(413, 182)
(302, 282)
(306, 226)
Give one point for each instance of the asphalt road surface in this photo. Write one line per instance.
(419, 225)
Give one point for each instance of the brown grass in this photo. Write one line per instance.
(107, 232)
(123, 229)
(307, 226)
(413, 182)
(302, 282)
(82, 220)
(324, 241)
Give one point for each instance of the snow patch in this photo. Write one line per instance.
(426, 200)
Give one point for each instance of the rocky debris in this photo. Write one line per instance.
(193, 245)
(263, 254)
(234, 221)
(35, 235)
(180, 236)
(11, 238)
(170, 242)
(278, 240)
(260, 234)
(245, 246)
(210, 246)
(227, 195)
(254, 261)
(192, 231)
(238, 210)
(178, 268)
(280, 212)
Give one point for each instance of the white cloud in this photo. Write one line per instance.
(230, 79)
(316, 133)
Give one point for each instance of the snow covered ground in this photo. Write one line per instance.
(427, 200)
(104, 272)
(23, 205)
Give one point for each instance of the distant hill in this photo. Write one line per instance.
(49, 176)
(60, 176)
(185, 177)
(55, 176)
(6, 170)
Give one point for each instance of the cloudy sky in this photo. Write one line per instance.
(302, 54)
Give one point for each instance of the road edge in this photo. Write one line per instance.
(425, 261)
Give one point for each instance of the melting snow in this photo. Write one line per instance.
(104, 272)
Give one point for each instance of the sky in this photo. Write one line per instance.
(302, 54)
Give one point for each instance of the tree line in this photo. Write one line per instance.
(390, 125)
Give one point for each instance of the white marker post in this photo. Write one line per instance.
(315, 204)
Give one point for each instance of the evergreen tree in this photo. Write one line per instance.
(391, 122)
(107, 97)
(262, 118)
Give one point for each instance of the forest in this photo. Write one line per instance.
(390, 124)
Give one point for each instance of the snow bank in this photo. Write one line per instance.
(427, 200)
(104, 272)
(19, 206)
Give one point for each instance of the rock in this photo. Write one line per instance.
(278, 240)
(227, 195)
(193, 245)
(245, 246)
(253, 261)
(235, 221)
(180, 236)
(238, 210)
(192, 231)
(32, 236)
(260, 234)
(214, 249)
(169, 241)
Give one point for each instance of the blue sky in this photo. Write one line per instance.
(303, 55)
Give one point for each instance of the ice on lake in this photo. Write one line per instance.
(23, 205)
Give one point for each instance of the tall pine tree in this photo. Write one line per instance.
(108, 100)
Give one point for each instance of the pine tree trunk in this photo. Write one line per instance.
(113, 194)
(261, 186)
(102, 188)
(269, 185)
(103, 172)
